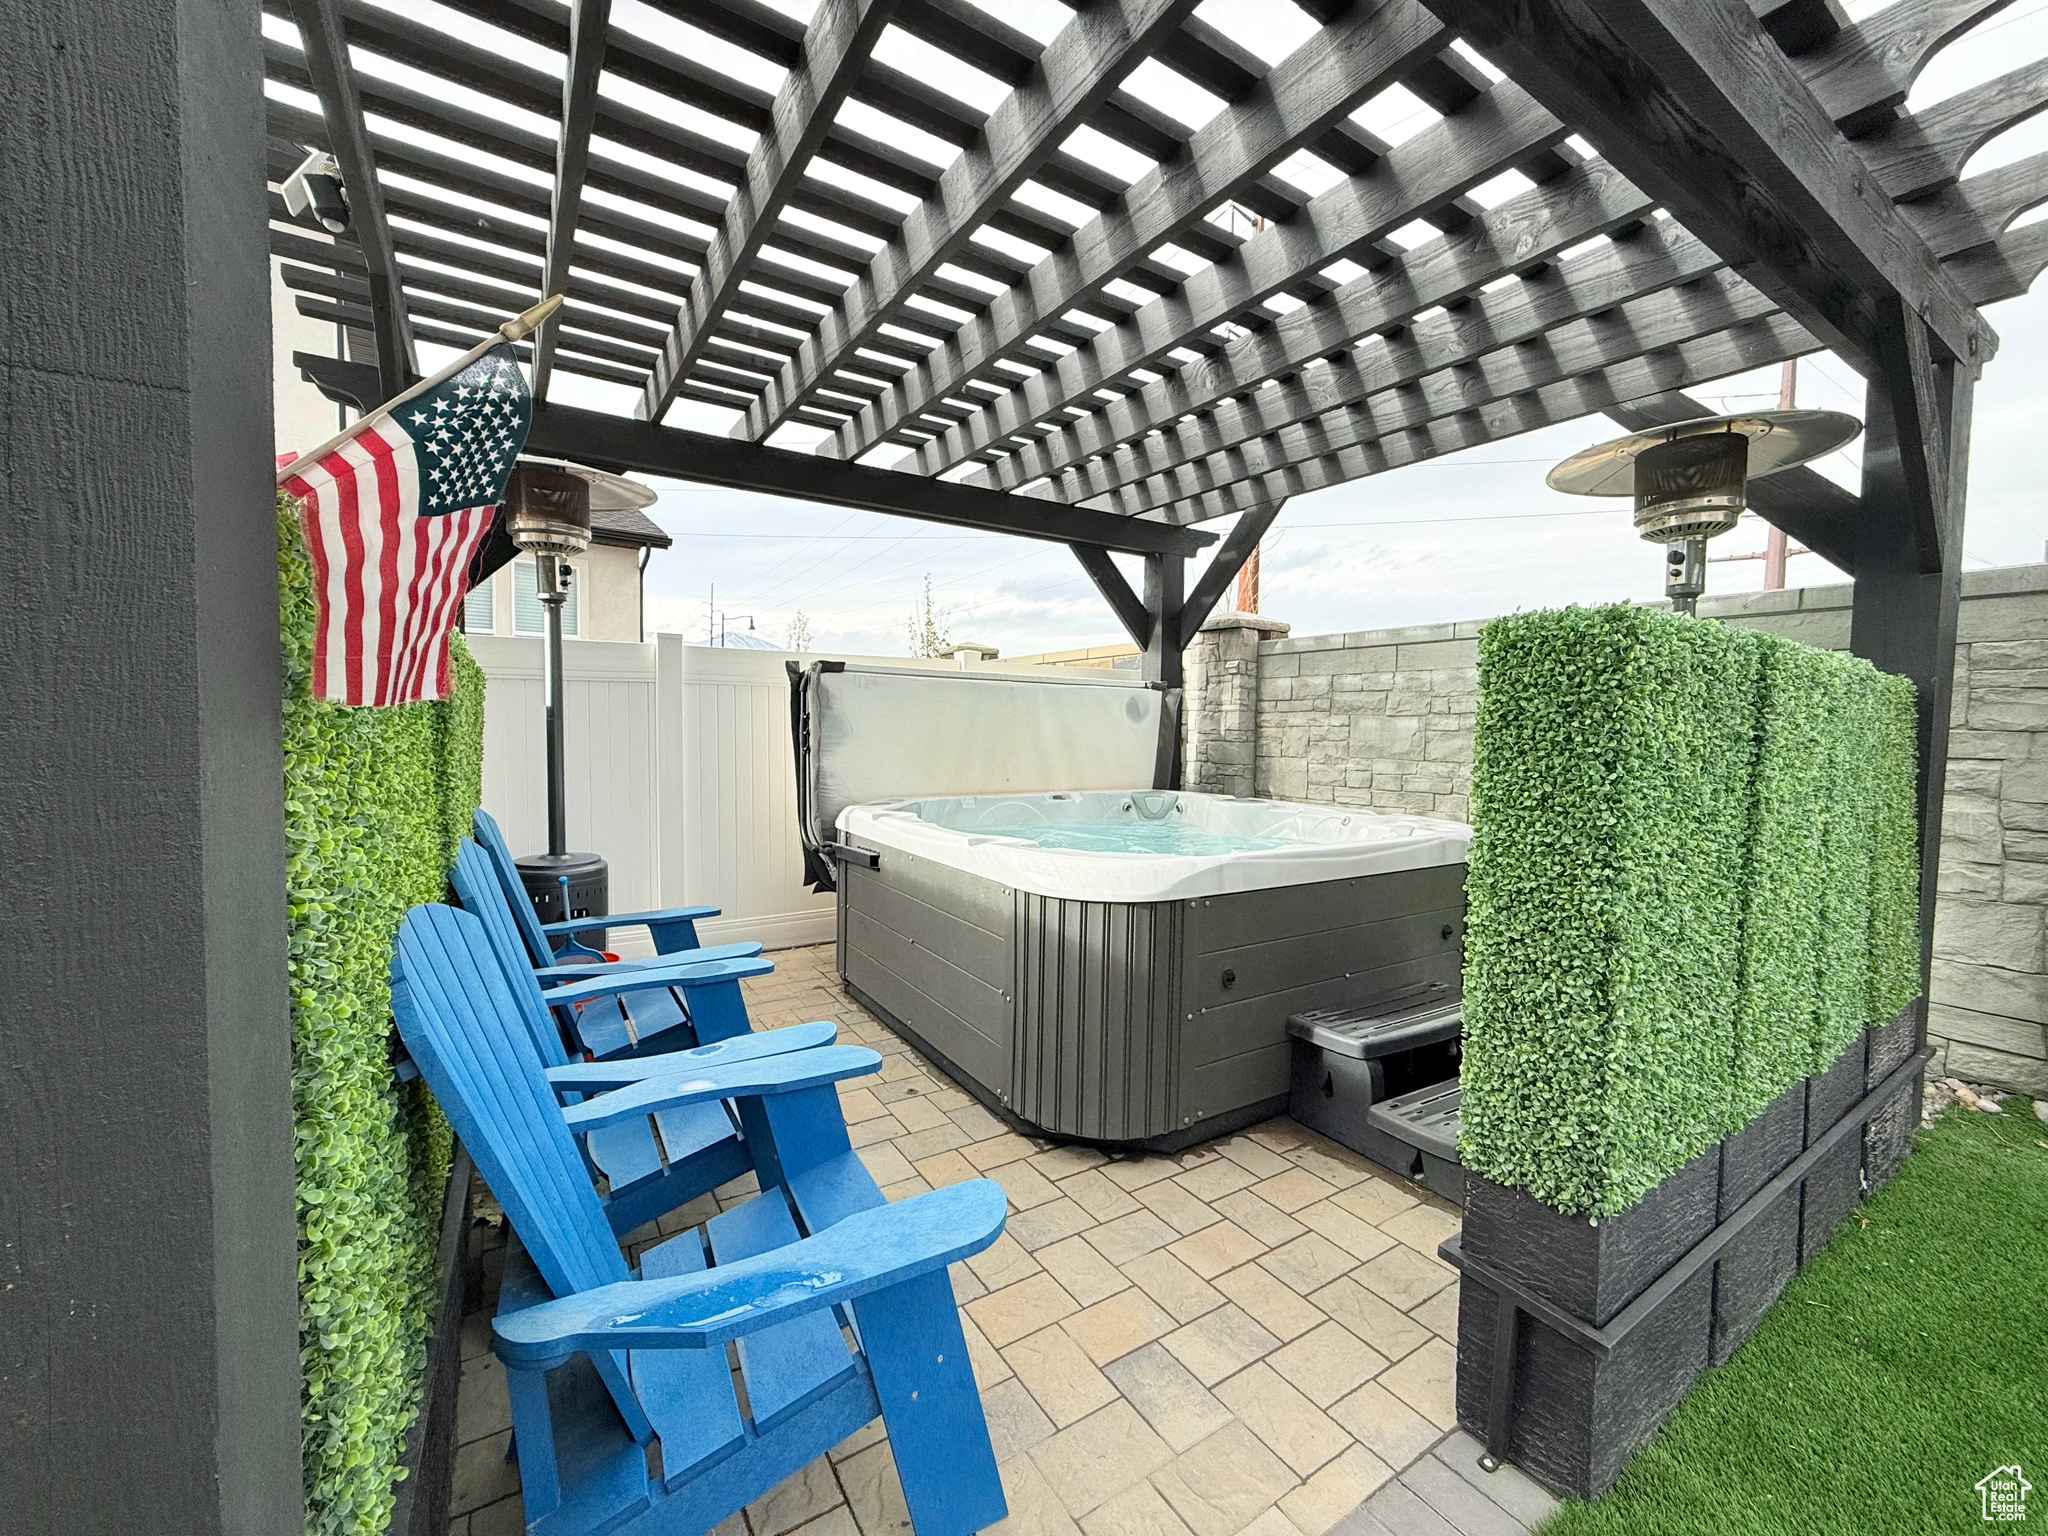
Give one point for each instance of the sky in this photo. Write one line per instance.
(1459, 537)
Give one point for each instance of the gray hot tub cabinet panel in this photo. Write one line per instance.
(1097, 985)
(913, 937)
(1117, 1021)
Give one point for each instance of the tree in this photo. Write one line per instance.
(799, 632)
(927, 627)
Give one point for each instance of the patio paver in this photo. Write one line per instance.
(1249, 1339)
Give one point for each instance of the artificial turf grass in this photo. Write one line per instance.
(1909, 1359)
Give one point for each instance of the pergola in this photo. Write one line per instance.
(1625, 199)
(1655, 194)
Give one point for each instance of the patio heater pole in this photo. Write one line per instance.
(551, 582)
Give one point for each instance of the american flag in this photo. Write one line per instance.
(391, 517)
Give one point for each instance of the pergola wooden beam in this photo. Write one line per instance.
(1554, 306)
(589, 24)
(1329, 76)
(836, 47)
(1489, 136)
(1750, 345)
(334, 81)
(708, 459)
(1569, 347)
(1075, 76)
(1222, 570)
(1528, 229)
(1701, 109)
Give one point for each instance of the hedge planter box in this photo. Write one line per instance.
(1603, 1326)
(427, 1467)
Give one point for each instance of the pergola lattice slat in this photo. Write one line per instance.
(1526, 231)
(1450, 157)
(1074, 77)
(589, 22)
(1306, 93)
(836, 48)
(1700, 109)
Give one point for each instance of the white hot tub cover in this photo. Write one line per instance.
(1314, 842)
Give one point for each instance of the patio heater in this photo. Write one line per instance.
(1690, 479)
(547, 515)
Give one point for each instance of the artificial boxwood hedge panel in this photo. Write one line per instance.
(1604, 892)
(1693, 878)
(1782, 898)
(375, 801)
(1895, 853)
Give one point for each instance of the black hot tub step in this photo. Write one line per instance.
(1427, 1120)
(1367, 1031)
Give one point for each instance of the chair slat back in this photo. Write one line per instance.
(461, 1025)
(476, 885)
(492, 840)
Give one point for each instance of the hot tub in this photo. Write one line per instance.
(1120, 965)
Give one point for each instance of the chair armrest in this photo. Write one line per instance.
(627, 919)
(586, 970)
(867, 1252)
(685, 974)
(597, 1076)
(790, 1072)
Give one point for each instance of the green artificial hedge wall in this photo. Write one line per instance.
(375, 802)
(1693, 878)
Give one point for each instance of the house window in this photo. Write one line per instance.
(477, 617)
(526, 610)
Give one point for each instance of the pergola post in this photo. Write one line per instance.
(1908, 570)
(149, 1345)
(1165, 582)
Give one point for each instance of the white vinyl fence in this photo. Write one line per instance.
(680, 773)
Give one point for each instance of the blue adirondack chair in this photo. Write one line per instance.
(602, 1362)
(629, 1015)
(700, 1146)
(672, 928)
(619, 1009)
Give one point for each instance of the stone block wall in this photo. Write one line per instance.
(1383, 719)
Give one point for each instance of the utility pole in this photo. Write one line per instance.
(1774, 545)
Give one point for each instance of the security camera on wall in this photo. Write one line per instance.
(315, 188)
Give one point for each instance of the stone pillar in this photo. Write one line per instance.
(1220, 710)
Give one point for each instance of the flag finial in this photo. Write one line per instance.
(521, 326)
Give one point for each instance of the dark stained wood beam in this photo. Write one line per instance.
(589, 24)
(1528, 229)
(1903, 616)
(334, 81)
(1582, 345)
(1554, 308)
(1807, 505)
(647, 447)
(1488, 136)
(1161, 656)
(1074, 76)
(841, 36)
(1698, 106)
(1222, 570)
(1751, 344)
(1128, 607)
(1332, 74)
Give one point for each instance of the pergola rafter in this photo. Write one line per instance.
(1211, 314)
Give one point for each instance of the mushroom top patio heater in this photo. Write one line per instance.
(1690, 480)
(547, 515)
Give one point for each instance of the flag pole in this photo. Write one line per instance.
(518, 328)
